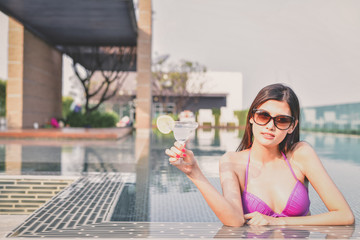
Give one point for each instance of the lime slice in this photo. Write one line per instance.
(165, 124)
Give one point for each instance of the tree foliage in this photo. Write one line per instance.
(241, 115)
(216, 112)
(66, 106)
(112, 65)
(95, 119)
(177, 80)
(2, 97)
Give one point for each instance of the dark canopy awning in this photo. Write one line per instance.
(77, 23)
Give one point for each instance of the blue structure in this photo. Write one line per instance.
(341, 118)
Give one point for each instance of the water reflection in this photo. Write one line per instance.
(74, 157)
(38, 157)
(335, 146)
(2, 158)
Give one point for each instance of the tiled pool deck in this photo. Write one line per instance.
(84, 210)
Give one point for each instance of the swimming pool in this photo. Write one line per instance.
(126, 188)
(156, 191)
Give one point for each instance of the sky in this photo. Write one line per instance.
(310, 45)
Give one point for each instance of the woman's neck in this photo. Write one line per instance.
(265, 154)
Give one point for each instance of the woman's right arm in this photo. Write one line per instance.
(227, 207)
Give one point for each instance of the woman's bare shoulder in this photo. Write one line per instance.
(302, 149)
(303, 153)
(235, 158)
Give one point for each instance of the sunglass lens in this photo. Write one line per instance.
(262, 117)
(283, 122)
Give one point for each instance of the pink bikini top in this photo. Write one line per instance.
(297, 205)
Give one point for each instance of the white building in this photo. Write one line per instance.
(230, 83)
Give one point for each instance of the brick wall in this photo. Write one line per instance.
(14, 88)
(24, 195)
(34, 79)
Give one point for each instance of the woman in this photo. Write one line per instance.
(265, 181)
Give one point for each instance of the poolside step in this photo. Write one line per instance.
(86, 201)
(23, 195)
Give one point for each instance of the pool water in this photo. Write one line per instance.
(154, 190)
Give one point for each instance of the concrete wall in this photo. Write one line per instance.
(34, 79)
(143, 90)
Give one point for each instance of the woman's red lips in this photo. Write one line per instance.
(268, 135)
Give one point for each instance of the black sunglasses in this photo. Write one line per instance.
(282, 122)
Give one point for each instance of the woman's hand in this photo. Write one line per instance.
(256, 218)
(182, 158)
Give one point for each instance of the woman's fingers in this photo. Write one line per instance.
(179, 145)
(176, 151)
(249, 215)
(178, 155)
(170, 153)
(173, 152)
(175, 161)
(255, 218)
(174, 155)
(179, 162)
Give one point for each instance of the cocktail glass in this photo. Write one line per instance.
(183, 129)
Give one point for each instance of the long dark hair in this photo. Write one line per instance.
(277, 92)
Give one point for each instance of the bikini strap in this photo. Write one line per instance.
(287, 161)
(247, 170)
